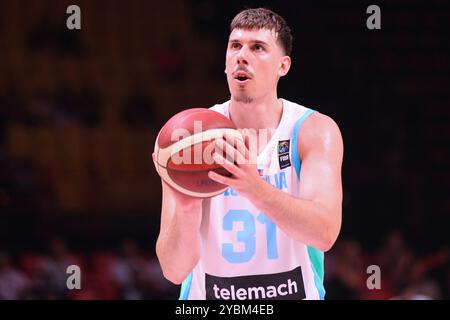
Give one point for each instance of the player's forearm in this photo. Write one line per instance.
(306, 221)
(178, 248)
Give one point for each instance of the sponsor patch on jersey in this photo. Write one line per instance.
(283, 154)
(278, 286)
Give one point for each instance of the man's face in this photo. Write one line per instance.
(254, 63)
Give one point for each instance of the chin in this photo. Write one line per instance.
(242, 98)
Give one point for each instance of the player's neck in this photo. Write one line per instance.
(264, 113)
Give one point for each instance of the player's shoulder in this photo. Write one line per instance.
(320, 123)
(220, 107)
(316, 122)
(319, 130)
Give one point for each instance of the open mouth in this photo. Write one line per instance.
(242, 77)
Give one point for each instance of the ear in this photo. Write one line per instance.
(285, 65)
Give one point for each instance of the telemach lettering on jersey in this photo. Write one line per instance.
(279, 286)
(257, 293)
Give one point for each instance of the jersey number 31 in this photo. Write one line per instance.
(247, 236)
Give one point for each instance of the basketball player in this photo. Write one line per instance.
(265, 237)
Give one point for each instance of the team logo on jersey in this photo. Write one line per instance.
(277, 286)
(283, 154)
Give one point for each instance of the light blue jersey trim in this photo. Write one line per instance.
(294, 142)
(315, 256)
(186, 287)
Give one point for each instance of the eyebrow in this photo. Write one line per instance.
(252, 41)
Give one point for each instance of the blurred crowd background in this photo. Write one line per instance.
(80, 110)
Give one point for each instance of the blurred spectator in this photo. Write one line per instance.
(128, 271)
(396, 259)
(52, 270)
(159, 287)
(404, 275)
(137, 277)
(425, 290)
(345, 273)
(13, 282)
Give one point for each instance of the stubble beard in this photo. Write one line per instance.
(243, 98)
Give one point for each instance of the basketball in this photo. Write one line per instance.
(184, 147)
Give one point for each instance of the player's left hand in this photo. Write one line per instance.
(245, 179)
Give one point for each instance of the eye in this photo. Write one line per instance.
(235, 45)
(258, 47)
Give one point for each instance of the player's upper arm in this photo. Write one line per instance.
(321, 148)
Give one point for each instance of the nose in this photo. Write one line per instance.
(242, 56)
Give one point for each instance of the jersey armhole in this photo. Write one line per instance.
(294, 141)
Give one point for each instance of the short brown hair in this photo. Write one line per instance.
(262, 18)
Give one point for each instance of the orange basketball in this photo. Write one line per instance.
(184, 149)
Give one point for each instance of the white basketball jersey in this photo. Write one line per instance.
(244, 255)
